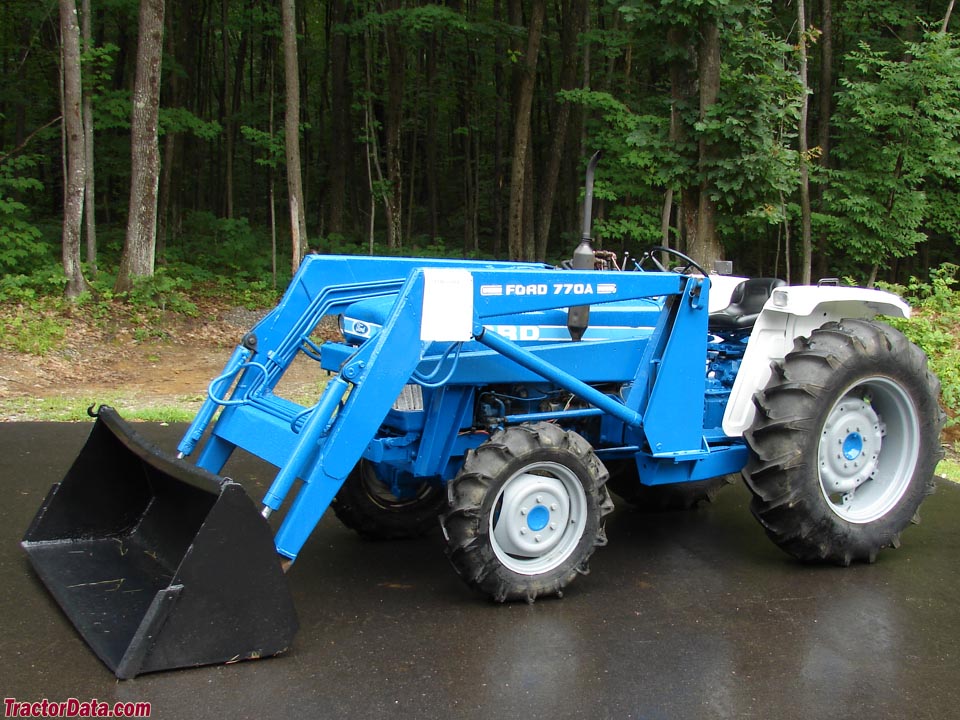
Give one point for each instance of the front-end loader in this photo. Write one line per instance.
(497, 398)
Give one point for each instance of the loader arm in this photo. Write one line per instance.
(451, 304)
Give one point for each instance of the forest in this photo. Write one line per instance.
(797, 139)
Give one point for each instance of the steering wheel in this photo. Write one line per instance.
(688, 262)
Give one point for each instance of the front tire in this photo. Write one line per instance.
(845, 443)
(526, 512)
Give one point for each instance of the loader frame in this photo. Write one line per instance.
(437, 335)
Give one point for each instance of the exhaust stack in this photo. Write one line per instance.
(578, 318)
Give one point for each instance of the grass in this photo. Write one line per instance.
(949, 469)
(131, 407)
(74, 409)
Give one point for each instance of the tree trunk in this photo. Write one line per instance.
(529, 232)
(341, 140)
(394, 119)
(169, 147)
(498, 136)
(825, 112)
(681, 93)
(703, 245)
(521, 131)
(298, 223)
(665, 215)
(226, 114)
(469, 160)
(373, 155)
(805, 230)
(786, 241)
(572, 15)
(140, 244)
(75, 157)
(166, 185)
(271, 182)
(89, 192)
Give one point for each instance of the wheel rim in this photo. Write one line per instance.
(869, 447)
(539, 518)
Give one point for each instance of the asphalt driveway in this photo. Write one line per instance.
(684, 615)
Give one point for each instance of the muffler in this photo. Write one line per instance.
(157, 563)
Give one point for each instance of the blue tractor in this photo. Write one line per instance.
(504, 400)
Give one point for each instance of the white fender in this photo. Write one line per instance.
(792, 312)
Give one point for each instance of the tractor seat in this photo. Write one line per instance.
(746, 302)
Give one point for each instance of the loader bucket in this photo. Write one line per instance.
(157, 563)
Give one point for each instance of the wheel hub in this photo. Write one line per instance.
(850, 445)
(539, 518)
(533, 516)
(853, 446)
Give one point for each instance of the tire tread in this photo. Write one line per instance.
(782, 471)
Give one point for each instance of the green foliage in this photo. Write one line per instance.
(877, 22)
(111, 109)
(162, 292)
(414, 20)
(97, 64)
(638, 161)
(223, 246)
(935, 327)
(750, 163)
(687, 13)
(181, 120)
(21, 247)
(270, 147)
(253, 296)
(45, 281)
(899, 127)
(751, 125)
(29, 330)
(454, 111)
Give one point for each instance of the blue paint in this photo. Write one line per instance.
(538, 518)
(641, 368)
(853, 446)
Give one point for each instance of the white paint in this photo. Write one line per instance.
(447, 305)
(793, 312)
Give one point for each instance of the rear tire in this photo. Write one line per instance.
(365, 504)
(845, 443)
(526, 512)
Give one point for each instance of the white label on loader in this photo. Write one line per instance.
(447, 305)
